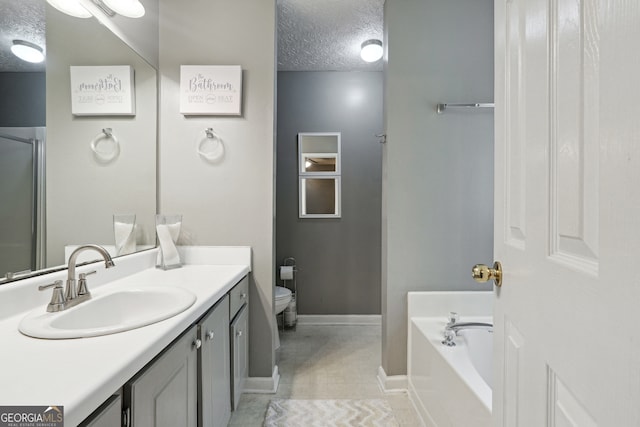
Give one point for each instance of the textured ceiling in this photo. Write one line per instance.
(22, 20)
(325, 35)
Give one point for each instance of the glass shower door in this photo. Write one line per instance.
(20, 194)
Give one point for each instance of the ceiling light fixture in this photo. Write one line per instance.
(27, 51)
(128, 8)
(70, 7)
(371, 50)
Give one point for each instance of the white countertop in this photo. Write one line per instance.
(80, 374)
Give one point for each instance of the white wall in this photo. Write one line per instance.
(437, 169)
(139, 33)
(230, 202)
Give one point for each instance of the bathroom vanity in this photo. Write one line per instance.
(173, 372)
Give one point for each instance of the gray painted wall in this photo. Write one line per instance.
(22, 99)
(338, 259)
(438, 169)
(229, 202)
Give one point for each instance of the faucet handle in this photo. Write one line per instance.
(83, 276)
(50, 285)
(449, 338)
(82, 283)
(57, 298)
(453, 317)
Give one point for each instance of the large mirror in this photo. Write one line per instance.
(56, 191)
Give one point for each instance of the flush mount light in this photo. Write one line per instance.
(27, 51)
(128, 8)
(371, 50)
(70, 7)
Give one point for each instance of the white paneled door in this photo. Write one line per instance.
(567, 213)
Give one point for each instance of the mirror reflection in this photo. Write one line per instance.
(319, 152)
(317, 162)
(319, 175)
(57, 192)
(319, 197)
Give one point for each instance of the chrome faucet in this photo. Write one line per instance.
(74, 295)
(71, 291)
(453, 327)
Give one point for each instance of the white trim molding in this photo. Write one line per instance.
(339, 319)
(264, 385)
(393, 383)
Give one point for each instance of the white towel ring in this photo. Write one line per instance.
(105, 145)
(211, 146)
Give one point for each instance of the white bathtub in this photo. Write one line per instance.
(450, 386)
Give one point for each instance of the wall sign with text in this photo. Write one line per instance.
(102, 90)
(211, 90)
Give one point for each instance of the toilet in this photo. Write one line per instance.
(283, 297)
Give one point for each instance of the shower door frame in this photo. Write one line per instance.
(38, 223)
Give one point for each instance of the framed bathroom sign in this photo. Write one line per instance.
(105, 90)
(211, 90)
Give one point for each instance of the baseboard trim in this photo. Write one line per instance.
(264, 385)
(339, 319)
(392, 383)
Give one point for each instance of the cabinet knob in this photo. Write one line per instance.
(243, 296)
(197, 344)
(210, 335)
(239, 334)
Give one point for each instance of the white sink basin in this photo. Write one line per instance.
(109, 313)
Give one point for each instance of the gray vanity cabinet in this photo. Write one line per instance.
(196, 381)
(164, 394)
(109, 414)
(238, 297)
(214, 404)
(240, 355)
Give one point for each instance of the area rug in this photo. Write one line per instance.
(329, 413)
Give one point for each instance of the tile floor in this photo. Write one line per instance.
(326, 362)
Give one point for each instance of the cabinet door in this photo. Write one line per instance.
(238, 296)
(164, 394)
(214, 409)
(109, 414)
(240, 357)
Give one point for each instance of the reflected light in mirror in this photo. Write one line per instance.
(128, 8)
(27, 51)
(320, 162)
(70, 7)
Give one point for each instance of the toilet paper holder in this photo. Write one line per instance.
(288, 269)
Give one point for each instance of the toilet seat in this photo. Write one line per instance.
(282, 293)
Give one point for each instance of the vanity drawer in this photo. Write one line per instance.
(238, 296)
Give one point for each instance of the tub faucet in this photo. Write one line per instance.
(75, 294)
(452, 329)
(453, 318)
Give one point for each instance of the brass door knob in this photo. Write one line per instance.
(482, 273)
